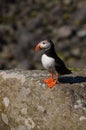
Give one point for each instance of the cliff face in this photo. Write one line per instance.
(26, 103)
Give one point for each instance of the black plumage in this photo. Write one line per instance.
(59, 64)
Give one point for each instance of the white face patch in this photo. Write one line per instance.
(45, 44)
(48, 62)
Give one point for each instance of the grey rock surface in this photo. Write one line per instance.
(26, 103)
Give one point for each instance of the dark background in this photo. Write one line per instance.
(23, 23)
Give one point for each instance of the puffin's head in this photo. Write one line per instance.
(43, 45)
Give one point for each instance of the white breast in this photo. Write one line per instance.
(48, 62)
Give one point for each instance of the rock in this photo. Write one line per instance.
(24, 111)
(4, 118)
(6, 101)
(35, 23)
(20, 127)
(29, 123)
(41, 109)
(68, 2)
(34, 106)
(64, 32)
(82, 118)
(79, 15)
(81, 33)
(76, 52)
(80, 104)
(57, 10)
(24, 65)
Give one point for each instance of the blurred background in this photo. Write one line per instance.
(23, 23)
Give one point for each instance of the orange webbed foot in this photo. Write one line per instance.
(52, 84)
(48, 80)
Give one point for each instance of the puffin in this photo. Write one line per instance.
(51, 62)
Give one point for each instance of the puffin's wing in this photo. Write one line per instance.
(60, 66)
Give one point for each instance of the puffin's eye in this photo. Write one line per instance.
(43, 42)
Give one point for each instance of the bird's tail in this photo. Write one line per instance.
(67, 71)
(63, 70)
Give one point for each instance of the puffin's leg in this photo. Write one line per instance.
(51, 84)
(49, 80)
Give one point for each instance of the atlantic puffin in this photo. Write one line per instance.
(51, 62)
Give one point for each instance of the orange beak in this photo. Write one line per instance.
(37, 48)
